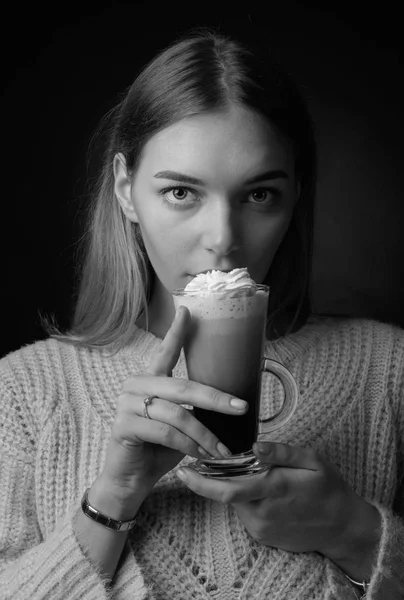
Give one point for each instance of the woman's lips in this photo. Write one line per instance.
(213, 269)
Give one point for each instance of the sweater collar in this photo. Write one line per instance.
(285, 349)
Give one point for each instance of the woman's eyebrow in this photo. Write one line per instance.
(267, 176)
(180, 177)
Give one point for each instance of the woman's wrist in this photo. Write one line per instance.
(356, 555)
(102, 544)
(115, 501)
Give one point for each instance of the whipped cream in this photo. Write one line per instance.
(231, 283)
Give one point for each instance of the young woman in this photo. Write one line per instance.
(210, 164)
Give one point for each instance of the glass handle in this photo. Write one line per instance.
(291, 395)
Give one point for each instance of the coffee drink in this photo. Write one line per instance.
(224, 349)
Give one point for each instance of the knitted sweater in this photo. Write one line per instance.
(57, 408)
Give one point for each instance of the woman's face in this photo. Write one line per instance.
(214, 191)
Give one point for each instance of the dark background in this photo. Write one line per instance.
(63, 68)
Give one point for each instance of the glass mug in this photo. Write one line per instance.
(224, 348)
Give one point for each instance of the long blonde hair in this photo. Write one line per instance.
(201, 72)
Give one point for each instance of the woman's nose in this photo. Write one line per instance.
(221, 231)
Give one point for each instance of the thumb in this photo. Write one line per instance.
(284, 455)
(169, 351)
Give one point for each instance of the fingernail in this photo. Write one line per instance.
(263, 447)
(181, 474)
(203, 452)
(239, 404)
(223, 450)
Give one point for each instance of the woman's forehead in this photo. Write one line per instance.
(237, 139)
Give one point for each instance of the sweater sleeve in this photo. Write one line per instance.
(387, 579)
(32, 567)
(387, 582)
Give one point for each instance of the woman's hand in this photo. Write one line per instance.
(301, 504)
(142, 450)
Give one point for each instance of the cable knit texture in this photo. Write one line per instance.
(57, 408)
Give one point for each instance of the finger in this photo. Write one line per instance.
(180, 418)
(170, 348)
(276, 483)
(136, 430)
(229, 491)
(284, 455)
(185, 391)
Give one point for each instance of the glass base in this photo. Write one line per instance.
(239, 465)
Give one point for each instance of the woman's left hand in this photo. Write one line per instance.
(301, 504)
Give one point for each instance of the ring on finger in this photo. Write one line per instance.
(146, 402)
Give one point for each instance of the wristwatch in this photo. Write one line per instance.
(95, 515)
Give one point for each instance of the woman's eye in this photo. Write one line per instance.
(178, 195)
(263, 196)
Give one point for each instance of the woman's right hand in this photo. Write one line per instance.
(142, 450)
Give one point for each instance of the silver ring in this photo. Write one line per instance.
(146, 402)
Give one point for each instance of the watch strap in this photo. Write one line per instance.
(363, 585)
(98, 517)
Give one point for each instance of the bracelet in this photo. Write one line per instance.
(363, 585)
(95, 515)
